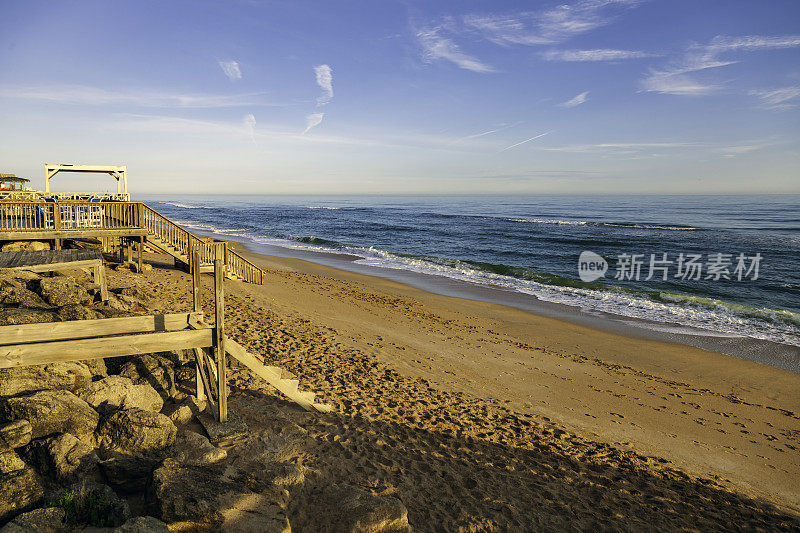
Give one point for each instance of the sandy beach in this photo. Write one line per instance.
(484, 417)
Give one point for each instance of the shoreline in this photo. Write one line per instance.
(710, 414)
(783, 356)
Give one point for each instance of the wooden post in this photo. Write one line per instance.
(219, 329)
(195, 281)
(100, 279)
(129, 250)
(200, 375)
(140, 250)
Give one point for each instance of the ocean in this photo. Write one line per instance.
(719, 265)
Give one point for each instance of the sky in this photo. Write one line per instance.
(404, 97)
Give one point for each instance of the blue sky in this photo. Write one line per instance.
(590, 96)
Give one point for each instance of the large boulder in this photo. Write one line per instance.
(12, 292)
(141, 524)
(348, 508)
(214, 498)
(77, 312)
(136, 431)
(118, 392)
(15, 434)
(19, 491)
(64, 458)
(25, 246)
(44, 520)
(10, 462)
(52, 411)
(69, 376)
(193, 448)
(152, 369)
(13, 316)
(59, 291)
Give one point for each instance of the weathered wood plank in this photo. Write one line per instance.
(78, 350)
(96, 233)
(84, 329)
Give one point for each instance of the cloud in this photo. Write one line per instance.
(231, 69)
(436, 47)
(83, 95)
(250, 125)
(630, 147)
(675, 77)
(325, 81)
(602, 54)
(313, 120)
(778, 99)
(523, 142)
(549, 26)
(574, 102)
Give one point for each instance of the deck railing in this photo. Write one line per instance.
(63, 216)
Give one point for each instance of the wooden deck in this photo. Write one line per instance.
(129, 223)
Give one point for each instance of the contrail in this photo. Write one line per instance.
(523, 142)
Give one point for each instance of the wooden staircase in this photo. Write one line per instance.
(164, 236)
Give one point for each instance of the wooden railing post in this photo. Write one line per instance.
(219, 330)
(195, 262)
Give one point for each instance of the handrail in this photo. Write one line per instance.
(185, 242)
(32, 216)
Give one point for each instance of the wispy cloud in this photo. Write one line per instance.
(548, 26)
(778, 99)
(487, 132)
(525, 141)
(324, 75)
(435, 48)
(576, 101)
(600, 54)
(313, 120)
(675, 77)
(628, 147)
(83, 95)
(231, 69)
(250, 126)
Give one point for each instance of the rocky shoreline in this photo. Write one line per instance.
(115, 444)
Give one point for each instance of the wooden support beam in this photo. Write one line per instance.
(200, 376)
(139, 250)
(78, 350)
(196, 286)
(219, 329)
(84, 329)
(93, 233)
(100, 278)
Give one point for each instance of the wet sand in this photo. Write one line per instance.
(485, 417)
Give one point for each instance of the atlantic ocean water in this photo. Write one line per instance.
(730, 262)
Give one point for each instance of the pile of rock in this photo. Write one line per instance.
(124, 431)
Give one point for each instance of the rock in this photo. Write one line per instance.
(110, 312)
(52, 411)
(10, 462)
(156, 370)
(136, 431)
(19, 491)
(141, 524)
(69, 376)
(12, 316)
(25, 246)
(77, 312)
(45, 520)
(129, 473)
(13, 292)
(193, 448)
(92, 504)
(145, 267)
(97, 368)
(186, 411)
(118, 392)
(213, 498)
(60, 291)
(348, 508)
(15, 434)
(64, 458)
(22, 276)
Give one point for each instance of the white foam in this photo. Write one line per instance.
(693, 313)
(183, 206)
